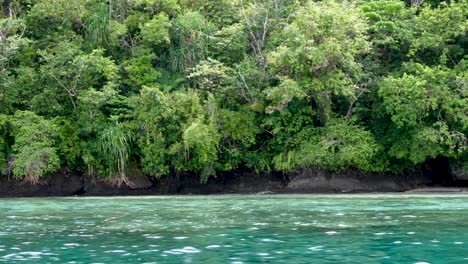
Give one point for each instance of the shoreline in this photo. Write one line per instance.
(305, 181)
(248, 195)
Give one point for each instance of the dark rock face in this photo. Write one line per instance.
(55, 185)
(303, 181)
(320, 181)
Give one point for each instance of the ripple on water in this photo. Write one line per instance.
(149, 236)
(72, 244)
(213, 246)
(271, 240)
(115, 251)
(316, 248)
(148, 251)
(185, 250)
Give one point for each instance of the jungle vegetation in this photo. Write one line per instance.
(164, 87)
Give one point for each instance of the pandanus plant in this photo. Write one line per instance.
(114, 147)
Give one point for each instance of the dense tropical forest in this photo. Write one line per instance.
(164, 87)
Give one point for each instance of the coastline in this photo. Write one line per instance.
(305, 181)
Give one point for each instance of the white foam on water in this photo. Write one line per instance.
(380, 234)
(9, 256)
(115, 251)
(263, 254)
(213, 246)
(71, 244)
(459, 243)
(180, 238)
(237, 262)
(260, 224)
(422, 263)
(185, 250)
(148, 251)
(343, 225)
(416, 243)
(32, 253)
(272, 240)
(331, 232)
(435, 241)
(316, 248)
(397, 242)
(411, 233)
(154, 237)
(172, 252)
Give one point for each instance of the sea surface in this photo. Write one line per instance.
(236, 229)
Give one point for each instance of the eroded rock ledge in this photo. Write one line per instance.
(303, 181)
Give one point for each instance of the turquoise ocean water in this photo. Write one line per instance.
(236, 229)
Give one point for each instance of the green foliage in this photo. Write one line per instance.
(391, 30)
(67, 71)
(4, 146)
(155, 32)
(35, 154)
(139, 71)
(431, 107)
(162, 119)
(320, 50)
(210, 75)
(190, 35)
(114, 148)
(340, 145)
(441, 36)
(202, 86)
(281, 95)
(201, 142)
(239, 131)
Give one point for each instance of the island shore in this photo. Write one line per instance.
(305, 181)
